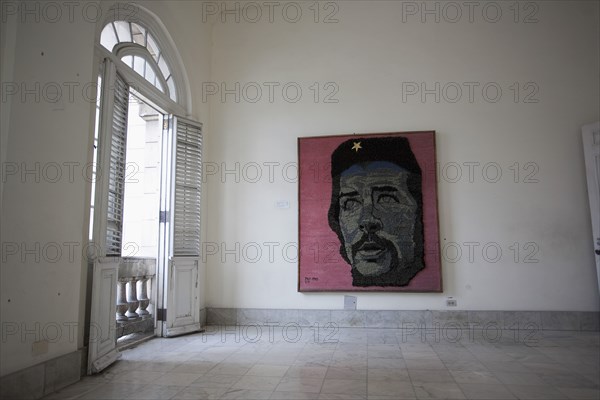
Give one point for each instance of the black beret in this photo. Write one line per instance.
(362, 150)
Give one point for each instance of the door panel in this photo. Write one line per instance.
(183, 314)
(103, 341)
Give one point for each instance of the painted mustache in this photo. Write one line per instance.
(371, 246)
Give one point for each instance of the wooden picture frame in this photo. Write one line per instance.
(368, 218)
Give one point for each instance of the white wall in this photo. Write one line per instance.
(368, 54)
(43, 293)
(45, 214)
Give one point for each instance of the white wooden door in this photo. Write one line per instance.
(103, 340)
(591, 150)
(183, 280)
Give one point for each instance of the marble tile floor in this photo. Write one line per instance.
(262, 362)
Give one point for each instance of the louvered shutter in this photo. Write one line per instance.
(188, 180)
(116, 170)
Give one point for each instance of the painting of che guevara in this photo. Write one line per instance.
(368, 213)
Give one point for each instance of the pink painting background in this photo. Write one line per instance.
(321, 267)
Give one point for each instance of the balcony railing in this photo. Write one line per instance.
(135, 306)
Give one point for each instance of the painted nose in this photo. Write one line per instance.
(370, 226)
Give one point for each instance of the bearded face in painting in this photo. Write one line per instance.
(376, 210)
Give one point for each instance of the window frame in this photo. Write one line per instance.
(142, 88)
(167, 50)
(131, 49)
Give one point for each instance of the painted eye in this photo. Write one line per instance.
(387, 199)
(351, 204)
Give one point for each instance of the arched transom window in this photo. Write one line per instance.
(135, 45)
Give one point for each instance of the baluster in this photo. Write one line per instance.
(132, 299)
(143, 298)
(122, 305)
(150, 307)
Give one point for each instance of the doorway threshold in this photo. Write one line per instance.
(132, 340)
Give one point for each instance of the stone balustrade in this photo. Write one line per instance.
(134, 307)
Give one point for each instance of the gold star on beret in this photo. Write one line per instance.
(356, 146)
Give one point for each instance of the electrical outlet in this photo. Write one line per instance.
(451, 303)
(349, 302)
